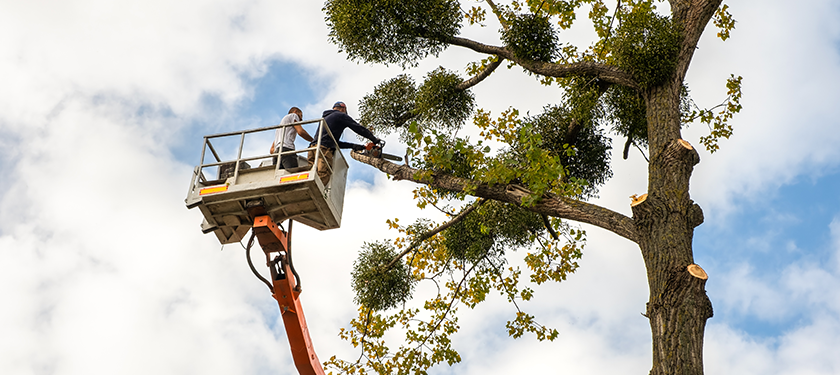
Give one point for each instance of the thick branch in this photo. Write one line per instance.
(480, 47)
(480, 76)
(693, 16)
(498, 13)
(548, 227)
(603, 72)
(562, 207)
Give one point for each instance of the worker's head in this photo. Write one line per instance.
(297, 111)
(339, 106)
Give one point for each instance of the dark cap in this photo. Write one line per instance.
(339, 104)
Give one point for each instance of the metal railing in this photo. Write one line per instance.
(198, 173)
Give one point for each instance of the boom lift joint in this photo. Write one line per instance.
(285, 289)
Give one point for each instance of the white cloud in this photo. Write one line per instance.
(749, 293)
(103, 270)
(810, 349)
(806, 291)
(787, 128)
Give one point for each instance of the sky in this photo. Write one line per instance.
(103, 269)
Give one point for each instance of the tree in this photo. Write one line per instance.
(527, 179)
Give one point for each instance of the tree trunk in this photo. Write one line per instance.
(665, 220)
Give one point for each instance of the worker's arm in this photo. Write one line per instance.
(271, 150)
(359, 129)
(302, 132)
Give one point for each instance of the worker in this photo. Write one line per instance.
(285, 137)
(337, 120)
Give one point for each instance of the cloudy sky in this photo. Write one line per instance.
(104, 271)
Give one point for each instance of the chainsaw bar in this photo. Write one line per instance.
(391, 157)
(375, 151)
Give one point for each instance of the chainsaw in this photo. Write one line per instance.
(375, 151)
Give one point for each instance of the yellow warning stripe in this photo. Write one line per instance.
(294, 177)
(214, 189)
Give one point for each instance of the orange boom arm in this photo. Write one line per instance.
(287, 294)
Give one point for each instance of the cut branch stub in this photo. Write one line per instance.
(680, 150)
(695, 215)
(647, 210)
(697, 272)
(637, 199)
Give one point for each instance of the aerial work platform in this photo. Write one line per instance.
(238, 187)
(238, 173)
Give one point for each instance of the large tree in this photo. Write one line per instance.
(526, 180)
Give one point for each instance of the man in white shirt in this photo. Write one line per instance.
(285, 137)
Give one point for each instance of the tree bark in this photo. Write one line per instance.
(562, 207)
(665, 220)
(678, 306)
(604, 72)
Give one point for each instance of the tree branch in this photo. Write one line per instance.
(693, 17)
(481, 76)
(603, 72)
(451, 302)
(417, 241)
(548, 227)
(557, 206)
(498, 13)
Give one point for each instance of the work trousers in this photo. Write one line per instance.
(288, 161)
(324, 163)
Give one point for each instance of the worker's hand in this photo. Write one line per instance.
(358, 148)
(379, 142)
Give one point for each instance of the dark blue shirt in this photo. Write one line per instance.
(337, 121)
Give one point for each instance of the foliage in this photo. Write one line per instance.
(452, 156)
(441, 104)
(458, 282)
(530, 36)
(563, 151)
(719, 126)
(438, 104)
(476, 15)
(526, 163)
(390, 106)
(564, 10)
(724, 21)
(646, 44)
(551, 263)
(590, 161)
(377, 287)
(392, 31)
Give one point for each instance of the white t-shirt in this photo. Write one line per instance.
(289, 138)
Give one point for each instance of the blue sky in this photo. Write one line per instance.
(103, 269)
(790, 226)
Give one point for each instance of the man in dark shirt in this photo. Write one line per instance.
(337, 120)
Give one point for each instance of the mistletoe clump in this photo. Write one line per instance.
(390, 105)
(392, 32)
(438, 104)
(647, 45)
(490, 229)
(441, 103)
(628, 113)
(377, 286)
(531, 37)
(589, 159)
